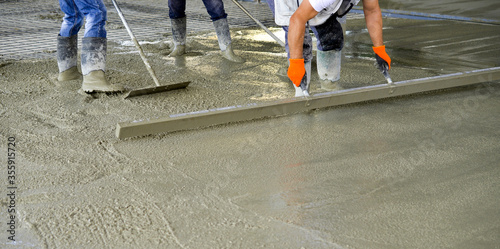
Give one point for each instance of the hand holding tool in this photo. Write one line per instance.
(383, 59)
(383, 63)
(296, 71)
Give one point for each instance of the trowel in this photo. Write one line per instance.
(147, 90)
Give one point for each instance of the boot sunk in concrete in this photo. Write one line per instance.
(67, 56)
(94, 66)
(224, 38)
(179, 35)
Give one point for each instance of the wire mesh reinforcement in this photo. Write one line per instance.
(28, 30)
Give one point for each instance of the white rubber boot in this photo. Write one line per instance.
(67, 56)
(94, 66)
(328, 64)
(224, 38)
(179, 35)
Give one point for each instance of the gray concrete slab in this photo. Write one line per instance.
(419, 171)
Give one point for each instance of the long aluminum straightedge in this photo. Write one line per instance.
(205, 118)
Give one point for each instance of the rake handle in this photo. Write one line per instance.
(137, 45)
(258, 23)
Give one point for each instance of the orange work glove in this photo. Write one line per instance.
(383, 59)
(296, 71)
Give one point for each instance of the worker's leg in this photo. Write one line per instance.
(72, 20)
(330, 43)
(177, 14)
(94, 47)
(95, 17)
(67, 41)
(215, 9)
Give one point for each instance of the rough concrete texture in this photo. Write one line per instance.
(419, 171)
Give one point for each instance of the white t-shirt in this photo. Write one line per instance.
(285, 8)
(319, 5)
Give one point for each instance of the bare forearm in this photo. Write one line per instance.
(373, 17)
(296, 37)
(297, 28)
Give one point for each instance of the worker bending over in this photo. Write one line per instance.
(322, 16)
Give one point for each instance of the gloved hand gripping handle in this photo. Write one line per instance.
(296, 71)
(383, 62)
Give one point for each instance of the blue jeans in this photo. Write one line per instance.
(215, 8)
(95, 15)
(330, 36)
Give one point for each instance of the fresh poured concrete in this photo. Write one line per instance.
(290, 106)
(417, 171)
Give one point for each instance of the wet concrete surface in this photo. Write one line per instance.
(419, 171)
(486, 9)
(413, 172)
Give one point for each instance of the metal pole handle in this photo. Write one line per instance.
(259, 23)
(136, 43)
